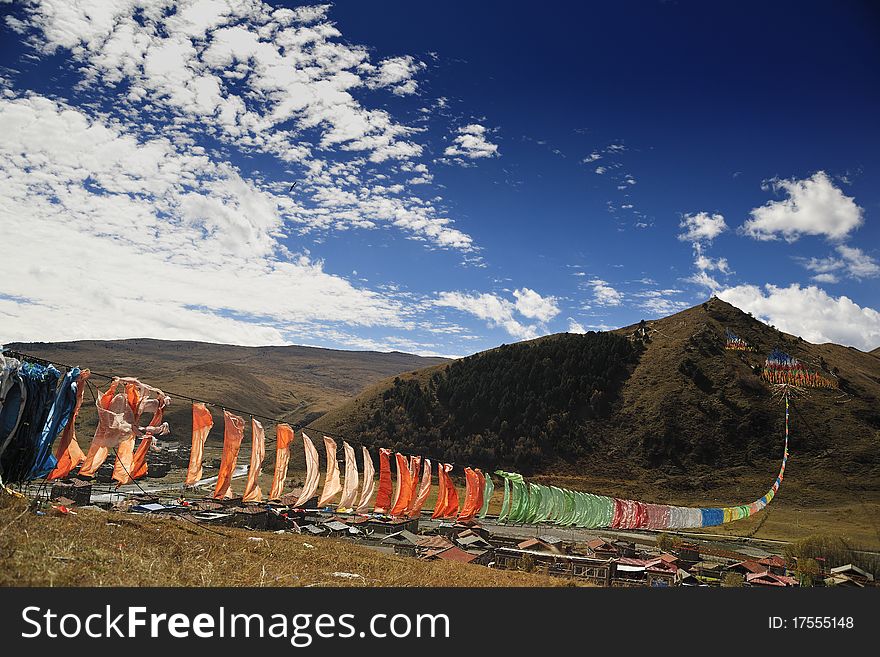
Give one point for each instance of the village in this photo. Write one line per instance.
(605, 560)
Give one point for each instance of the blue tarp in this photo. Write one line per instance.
(19, 456)
(59, 414)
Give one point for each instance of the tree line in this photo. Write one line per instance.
(516, 406)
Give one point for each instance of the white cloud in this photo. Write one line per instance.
(853, 262)
(592, 157)
(704, 263)
(658, 302)
(825, 278)
(575, 327)
(600, 170)
(471, 143)
(703, 279)
(701, 226)
(148, 241)
(814, 207)
(498, 312)
(532, 305)
(663, 307)
(604, 294)
(823, 265)
(810, 313)
(858, 264)
(278, 81)
(295, 68)
(396, 72)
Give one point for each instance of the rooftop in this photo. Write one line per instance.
(451, 554)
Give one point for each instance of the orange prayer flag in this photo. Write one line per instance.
(252, 492)
(69, 454)
(283, 440)
(233, 432)
(404, 481)
(383, 497)
(201, 427)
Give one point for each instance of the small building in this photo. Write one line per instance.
(625, 549)
(285, 518)
(708, 571)
(479, 530)
(250, 518)
(213, 517)
(629, 571)
(774, 564)
(150, 507)
(549, 539)
(472, 541)
(315, 530)
(687, 579)
(207, 505)
(482, 557)
(289, 498)
(336, 528)
(746, 568)
(446, 528)
(504, 540)
(661, 573)
(769, 579)
(78, 490)
(843, 580)
(449, 554)
(597, 571)
(426, 543)
(311, 503)
(404, 542)
(603, 548)
(385, 526)
(688, 552)
(538, 545)
(853, 572)
(668, 558)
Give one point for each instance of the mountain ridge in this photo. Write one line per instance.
(691, 409)
(292, 383)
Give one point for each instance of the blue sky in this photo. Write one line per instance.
(467, 174)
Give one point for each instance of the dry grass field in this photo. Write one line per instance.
(100, 548)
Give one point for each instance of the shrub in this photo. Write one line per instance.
(835, 550)
(732, 580)
(667, 542)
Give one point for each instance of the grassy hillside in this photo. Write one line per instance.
(686, 412)
(294, 384)
(516, 405)
(99, 548)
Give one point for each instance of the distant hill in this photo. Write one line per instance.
(676, 406)
(517, 405)
(296, 384)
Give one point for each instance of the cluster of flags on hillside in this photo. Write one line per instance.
(736, 343)
(781, 368)
(353, 493)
